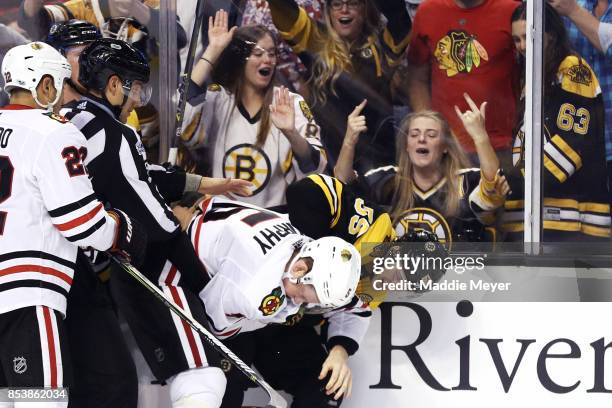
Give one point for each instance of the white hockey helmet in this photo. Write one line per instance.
(25, 65)
(335, 270)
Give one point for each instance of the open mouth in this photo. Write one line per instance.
(345, 21)
(422, 150)
(265, 72)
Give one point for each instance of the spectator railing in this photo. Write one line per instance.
(533, 128)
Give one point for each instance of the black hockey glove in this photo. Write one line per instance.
(131, 238)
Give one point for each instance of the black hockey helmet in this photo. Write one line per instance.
(106, 57)
(72, 33)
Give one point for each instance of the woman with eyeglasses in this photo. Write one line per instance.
(251, 129)
(351, 56)
(574, 182)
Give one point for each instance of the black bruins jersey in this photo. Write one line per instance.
(321, 206)
(574, 169)
(476, 214)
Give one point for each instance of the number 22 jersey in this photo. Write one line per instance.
(47, 208)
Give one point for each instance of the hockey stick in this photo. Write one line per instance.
(276, 400)
(184, 80)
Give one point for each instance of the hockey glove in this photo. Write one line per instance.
(130, 238)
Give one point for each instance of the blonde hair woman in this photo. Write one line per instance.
(432, 187)
(351, 55)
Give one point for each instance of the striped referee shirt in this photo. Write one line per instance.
(119, 171)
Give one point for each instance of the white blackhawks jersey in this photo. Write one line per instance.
(245, 250)
(47, 208)
(229, 134)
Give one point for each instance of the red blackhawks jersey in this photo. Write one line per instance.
(47, 208)
(245, 250)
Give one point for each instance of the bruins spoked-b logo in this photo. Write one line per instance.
(580, 74)
(426, 219)
(248, 162)
(458, 52)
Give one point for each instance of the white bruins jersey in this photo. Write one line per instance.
(245, 250)
(47, 208)
(229, 134)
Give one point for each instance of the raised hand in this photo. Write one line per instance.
(564, 7)
(282, 110)
(474, 119)
(219, 36)
(355, 125)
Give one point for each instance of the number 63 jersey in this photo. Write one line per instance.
(575, 193)
(47, 208)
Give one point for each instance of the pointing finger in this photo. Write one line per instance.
(359, 108)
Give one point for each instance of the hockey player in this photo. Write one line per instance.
(47, 209)
(321, 205)
(264, 272)
(115, 76)
(107, 378)
(70, 38)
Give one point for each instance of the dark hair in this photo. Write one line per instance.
(557, 47)
(229, 71)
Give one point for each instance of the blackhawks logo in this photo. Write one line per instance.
(272, 302)
(57, 117)
(459, 52)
